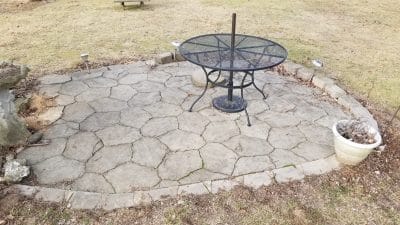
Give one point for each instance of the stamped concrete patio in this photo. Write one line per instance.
(126, 128)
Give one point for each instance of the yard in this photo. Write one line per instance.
(357, 40)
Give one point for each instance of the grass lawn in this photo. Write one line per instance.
(358, 40)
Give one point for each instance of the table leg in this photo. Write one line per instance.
(241, 94)
(254, 84)
(204, 91)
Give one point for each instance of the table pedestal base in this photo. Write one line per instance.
(222, 103)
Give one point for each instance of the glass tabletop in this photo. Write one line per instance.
(250, 53)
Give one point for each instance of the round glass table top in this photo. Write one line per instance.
(250, 53)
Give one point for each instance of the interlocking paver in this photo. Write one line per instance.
(220, 131)
(173, 167)
(92, 182)
(58, 169)
(98, 121)
(148, 152)
(81, 146)
(118, 134)
(93, 94)
(122, 92)
(218, 158)
(159, 126)
(134, 117)
(246, 165)
(37, 154)
(285, 138)
(108, 158)
(178, 140)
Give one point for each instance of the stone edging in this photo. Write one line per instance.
(91, 200)
(331, 88)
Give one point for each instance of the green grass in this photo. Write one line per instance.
(358, 40)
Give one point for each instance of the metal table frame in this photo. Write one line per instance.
(230, 103)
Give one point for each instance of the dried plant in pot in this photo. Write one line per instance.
(354, 140)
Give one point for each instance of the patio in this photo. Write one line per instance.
(126, 128)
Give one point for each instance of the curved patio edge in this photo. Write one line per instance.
(106, 201)
(329, 86)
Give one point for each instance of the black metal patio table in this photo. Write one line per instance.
(234, 53)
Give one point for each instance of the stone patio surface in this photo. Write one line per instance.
(127, 127)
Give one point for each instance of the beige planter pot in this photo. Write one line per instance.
(351, 153)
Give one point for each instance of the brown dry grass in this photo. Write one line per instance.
(358, 40)
(37, 104)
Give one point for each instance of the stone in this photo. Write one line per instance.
(287, 174)
(334, 91)
(148, 86)
(11, 74)
(278, 104)
(317, 134)
(305, 74)
(86, 200)
(129, 177)
(116, 201)
(218, 158)
(81, 146)
(51, 115)
(64, 100)
(201, 175)
(173, 96)
(123, 92)
(50, 91)
(246, 165)
(54, 79)
(285, 138)
(192, 122)
(101, 82)
(321, 82)
(73, 88)
(215, 115)
(176, 82)
(117, 135)
(108, 158)
(220, 131)
(319, 166)
(282, 158)
(108, 105)
(249, 146)
(199, 79)
(223, 185)
(134, 117)
(162, 193)
(133, 78)
(58, 169)
(278, 119)
(143, 99)
(92, 182)
(291, 68)
(159, 126)
(164, 58)
(35, 138)
(163, 110)
(50, 195)
(258, 180)
(158, 76)
(179, 164)
(309, 113)
(36, 154)
(98, 121)
(178, 140)
(26, 190)
(15, 170)
(348, 102)
(93, 94)
(195, 189)
(77, 112)
(13, 130)
(84, 75)
(312, 151)
(61, 130)
(258, 106)
(258, 129)
(148, 152)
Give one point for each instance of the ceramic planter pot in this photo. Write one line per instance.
(349, 152)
